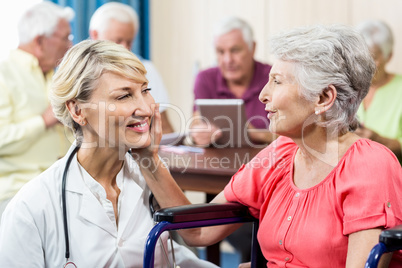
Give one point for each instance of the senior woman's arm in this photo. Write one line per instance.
(359, 246)
(169, 194)
(209, 235)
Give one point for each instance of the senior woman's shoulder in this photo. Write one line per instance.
(371, 155)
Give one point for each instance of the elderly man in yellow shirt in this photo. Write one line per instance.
(31, 139)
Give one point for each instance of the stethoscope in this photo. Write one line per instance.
(153, 206)
(64, 206)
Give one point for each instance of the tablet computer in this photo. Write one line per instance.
(227, 114)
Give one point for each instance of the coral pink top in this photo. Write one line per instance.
(310, 227)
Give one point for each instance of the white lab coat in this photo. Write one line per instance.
(32, 233)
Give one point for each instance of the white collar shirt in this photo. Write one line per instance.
(100, 193)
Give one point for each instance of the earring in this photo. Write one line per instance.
(317, 112)
(83, 122)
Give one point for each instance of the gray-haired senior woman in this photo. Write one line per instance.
(100, 91)
(321, 193)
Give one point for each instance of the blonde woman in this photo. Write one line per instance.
(91, 208)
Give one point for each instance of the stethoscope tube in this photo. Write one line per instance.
(63, 200)
(153, 205)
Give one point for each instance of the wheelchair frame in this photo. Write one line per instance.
(210, 214)
(200, 215)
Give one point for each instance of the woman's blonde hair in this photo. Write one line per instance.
(80, 70)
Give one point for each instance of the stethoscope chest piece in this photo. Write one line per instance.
(70, 264)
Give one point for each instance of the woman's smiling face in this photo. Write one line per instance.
(119, 113)
(287, 110)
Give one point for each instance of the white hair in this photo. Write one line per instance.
(113, 10)
(377, 34)
(42, 19)
(329, 55)
(229, 24)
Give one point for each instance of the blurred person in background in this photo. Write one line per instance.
(31, 138)
(237, 76)
(119, 23)
(380, 113)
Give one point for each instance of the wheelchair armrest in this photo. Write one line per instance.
(198, 212)
(392, 238)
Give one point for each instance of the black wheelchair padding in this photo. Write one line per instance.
(197, 212)
(208, 214)
(392, 238)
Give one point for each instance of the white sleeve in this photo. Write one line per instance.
(20, 242)
(158, 90)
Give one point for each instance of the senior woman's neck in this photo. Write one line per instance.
(325, 147)
(103, 164)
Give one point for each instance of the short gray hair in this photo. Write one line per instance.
(229, 24)
(42, 19)
(377, 34)
(329, 55)
(113, 10)
(80, 70)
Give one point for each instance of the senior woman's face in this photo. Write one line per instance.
(287, 110)
(119, 113)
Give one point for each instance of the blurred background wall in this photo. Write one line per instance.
(180, 31)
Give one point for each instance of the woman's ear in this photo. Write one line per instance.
(76, 112)
(94, 34)
(326, 99)
(253, 48)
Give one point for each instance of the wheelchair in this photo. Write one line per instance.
(201, 215)
(390, 240)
